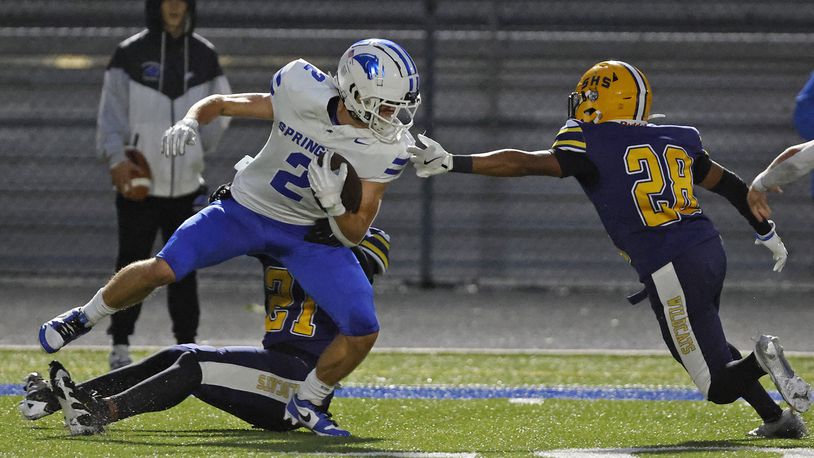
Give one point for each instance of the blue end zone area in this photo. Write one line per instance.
(540, 392)
(468, 392)
(11, 390)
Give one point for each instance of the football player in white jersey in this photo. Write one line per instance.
(364, 114)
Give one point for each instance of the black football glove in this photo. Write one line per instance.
(321, 233)
(223, 192)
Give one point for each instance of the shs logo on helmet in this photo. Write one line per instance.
(378, 82)
(611, 91)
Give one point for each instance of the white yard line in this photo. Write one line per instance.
(387, 454)
(632, 452)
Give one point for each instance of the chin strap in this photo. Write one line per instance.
(353, 114)
(597, 115)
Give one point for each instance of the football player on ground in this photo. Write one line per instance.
(253, 384)
(364, 114)
(788, 166)
(642, 179)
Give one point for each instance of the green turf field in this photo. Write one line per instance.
(408, 427)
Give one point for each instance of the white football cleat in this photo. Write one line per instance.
(39, 400)
(795, 390)
(789, 426)
(75, 402)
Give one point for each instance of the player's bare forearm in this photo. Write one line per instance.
(516, 163)
(253, 105)
(354, 226)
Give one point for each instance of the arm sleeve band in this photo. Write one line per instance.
(700, 168)
(734, 190)
(461, 163)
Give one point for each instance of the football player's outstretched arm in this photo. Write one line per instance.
(515, 163)
(433, 159)
(185, 131)
(254, 105)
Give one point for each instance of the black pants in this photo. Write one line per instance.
(166, 378)
(139, 222)
(686, 297)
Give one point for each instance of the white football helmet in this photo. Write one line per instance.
(378, 82)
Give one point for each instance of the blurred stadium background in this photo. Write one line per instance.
(494, 73)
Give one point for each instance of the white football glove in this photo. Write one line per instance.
(327, 184)
(177, 137)
(431, 160)
(775, 245)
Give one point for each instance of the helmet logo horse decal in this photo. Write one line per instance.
(370, 64)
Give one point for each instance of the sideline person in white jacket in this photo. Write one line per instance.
(152, 80)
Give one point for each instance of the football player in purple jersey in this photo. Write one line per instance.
(642, 179)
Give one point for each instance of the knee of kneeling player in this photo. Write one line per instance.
(169, 355)
(189, 363)
(183, 354)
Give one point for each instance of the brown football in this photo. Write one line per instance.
(352, 190)
(140, 179)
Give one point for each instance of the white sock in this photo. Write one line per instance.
(313, 389)
(96, 309)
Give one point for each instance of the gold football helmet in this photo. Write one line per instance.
(611, 90)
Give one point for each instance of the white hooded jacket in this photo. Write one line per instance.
(150, 83)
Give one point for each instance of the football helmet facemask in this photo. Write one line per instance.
(611, 90)
(378, 82)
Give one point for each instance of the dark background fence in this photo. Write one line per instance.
(500, 73)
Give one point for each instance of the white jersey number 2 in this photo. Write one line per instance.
(298, 160)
